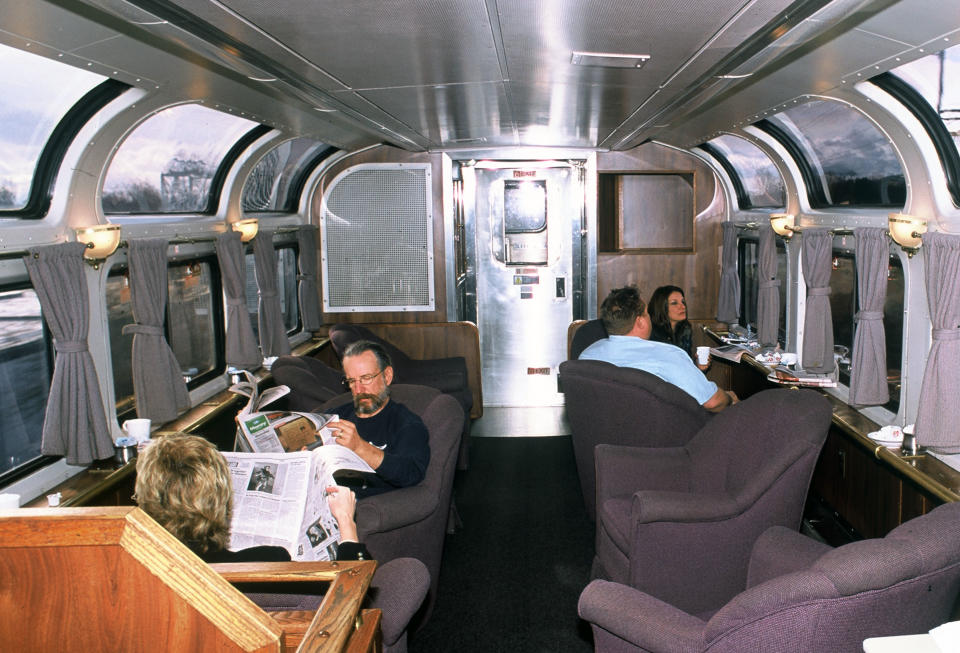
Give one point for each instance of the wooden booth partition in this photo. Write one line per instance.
(112, 579)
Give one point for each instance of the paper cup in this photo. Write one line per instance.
(703, 355)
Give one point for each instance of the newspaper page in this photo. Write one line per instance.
(279, 499)
(276, 431)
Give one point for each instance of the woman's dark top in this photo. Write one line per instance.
(682, 337)
(346, 551)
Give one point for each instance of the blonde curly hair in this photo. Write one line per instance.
(183, 483)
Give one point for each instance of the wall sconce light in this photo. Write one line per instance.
(247, 228)
(101, 241)
(907, 231)
(782, 223)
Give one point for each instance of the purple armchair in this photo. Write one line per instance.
(412, 521)
(800, 595)
(606, 404)
(678, 523)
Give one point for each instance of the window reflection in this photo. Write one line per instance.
(37, 92)
(851, 160)
(167, 164)
(26, 365)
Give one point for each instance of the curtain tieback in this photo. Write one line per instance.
(236, 301)
(305, 277)
(868, 315)
(72, 347)
(813, 292)
(772, 283)
(946, 334)
(268, 293)
(143, 330)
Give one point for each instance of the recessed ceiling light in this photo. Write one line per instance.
(609, 59)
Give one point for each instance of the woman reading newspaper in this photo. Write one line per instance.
(183, 483)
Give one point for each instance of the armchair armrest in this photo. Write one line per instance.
(780, 551)
(391, 510)
(623, 470)
(653, 506)
(616, 608)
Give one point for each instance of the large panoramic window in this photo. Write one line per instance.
(934, 78)
(759, 179)
(276, 181)
(167, 165)
(848, 160)
(37, 93)
(26, 367)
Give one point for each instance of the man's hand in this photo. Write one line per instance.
(345, 434)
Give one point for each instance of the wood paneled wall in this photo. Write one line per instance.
(697, 272)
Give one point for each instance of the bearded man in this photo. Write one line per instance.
(386, 434)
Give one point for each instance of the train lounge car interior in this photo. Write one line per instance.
(465, 181)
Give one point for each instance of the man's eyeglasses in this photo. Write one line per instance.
(366, 379)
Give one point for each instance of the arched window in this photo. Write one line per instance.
(759, 180)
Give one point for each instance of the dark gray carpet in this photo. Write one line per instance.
(513, 572)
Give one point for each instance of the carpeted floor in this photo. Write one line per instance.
(513, 572)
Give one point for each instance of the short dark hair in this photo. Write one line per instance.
(361, 346)
(620, 309)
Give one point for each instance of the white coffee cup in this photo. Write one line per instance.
(787, 358)
(9, 501)
(703, 355)
(137, 428)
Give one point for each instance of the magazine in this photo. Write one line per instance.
(260, 430)
(279, 499)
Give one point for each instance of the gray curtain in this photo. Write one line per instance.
(75, 425)
(939, 411)
(158, 385)
(818, 320)
(273, 332)
(242, 351)
(307, 286)
(868, 370)
(768, 297)
(728, 302)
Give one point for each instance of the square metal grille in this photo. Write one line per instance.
(377, 239)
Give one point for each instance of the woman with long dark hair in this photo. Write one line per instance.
(668, 315)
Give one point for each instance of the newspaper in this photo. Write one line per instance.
(276, 431)
(783, 375)
(279, 499)
(731, 352)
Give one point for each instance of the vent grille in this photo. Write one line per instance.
(377, 230)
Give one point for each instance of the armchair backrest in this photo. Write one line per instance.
(748, 446)
(582, 334)
(344, 335)
(607, 404)
(905, 583)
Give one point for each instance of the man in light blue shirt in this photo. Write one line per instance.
(625, 317)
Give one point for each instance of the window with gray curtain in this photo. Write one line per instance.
(868, 370)
(161, 393)
(728, 301)
(241, 346)
(75, 425)
(939, 410)
(273, 333)
(307, 278)
(817, 321)
(768, 296)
